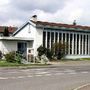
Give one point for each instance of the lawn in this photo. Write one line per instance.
(8, 64)
(84, 58)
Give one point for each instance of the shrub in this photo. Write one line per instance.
(42, 50)
(10, 57)
(18, 57)
(0, 55)
(13, 57)
(59, 49)
(49, 53)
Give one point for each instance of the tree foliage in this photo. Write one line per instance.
(59, 49)
(6, 32)
(42, 50)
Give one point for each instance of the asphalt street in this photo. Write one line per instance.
(57, 78)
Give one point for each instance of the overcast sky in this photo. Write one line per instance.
(17, 12)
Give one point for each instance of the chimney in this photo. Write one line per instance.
(74, 22)
(34, 18)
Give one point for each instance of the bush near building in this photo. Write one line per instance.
(58, 50)
(13, 57)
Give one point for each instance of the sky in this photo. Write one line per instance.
(17, 12)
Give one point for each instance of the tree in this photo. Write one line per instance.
(6, 32)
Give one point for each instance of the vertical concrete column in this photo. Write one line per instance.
(50, 41)
(54, 36)
(69, 45)
(88, 44)
(79, 43)
(85, 44)
(58, 38)
(76, 45)
(82, 43)
(73, 43)
(65, 42)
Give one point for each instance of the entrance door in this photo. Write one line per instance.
(22, 47)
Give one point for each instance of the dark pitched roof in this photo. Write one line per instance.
(10, 29)
(62, 25)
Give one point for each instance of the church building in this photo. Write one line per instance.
(34, 33)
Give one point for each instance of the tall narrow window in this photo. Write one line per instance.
(56, 35)
(77, 43)
(52, 39)
(44, 37)
(70, 43)
(81, 45)
(48, 39)
(60, 35)
(74, 43)
(87, 44)
(67, 43)
(84, 45)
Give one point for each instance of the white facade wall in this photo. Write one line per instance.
(8, 46)
(38, 40)
(28, 32)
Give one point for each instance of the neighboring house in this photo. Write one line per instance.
(10, 29)
(34, 33)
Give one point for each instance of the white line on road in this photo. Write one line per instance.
(59, 73)
(47, 74)
(38, 75)
(84, 72)
(21, 77)
(42, 72)
(3, 78)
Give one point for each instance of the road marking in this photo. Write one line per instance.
(25, 70)
(47, 74)
(3, 78)
(20, 77)
(84, 72)
(59, 73)
(42, 72)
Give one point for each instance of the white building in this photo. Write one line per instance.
(34, 33)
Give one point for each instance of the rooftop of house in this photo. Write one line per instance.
(51, 24)
(10, 29)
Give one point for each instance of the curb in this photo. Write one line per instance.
(82, 86)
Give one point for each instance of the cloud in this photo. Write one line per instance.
(45, 5)
(16, 12)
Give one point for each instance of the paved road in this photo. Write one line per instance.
(59, 78)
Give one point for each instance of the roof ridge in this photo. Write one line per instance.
(61, 24)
